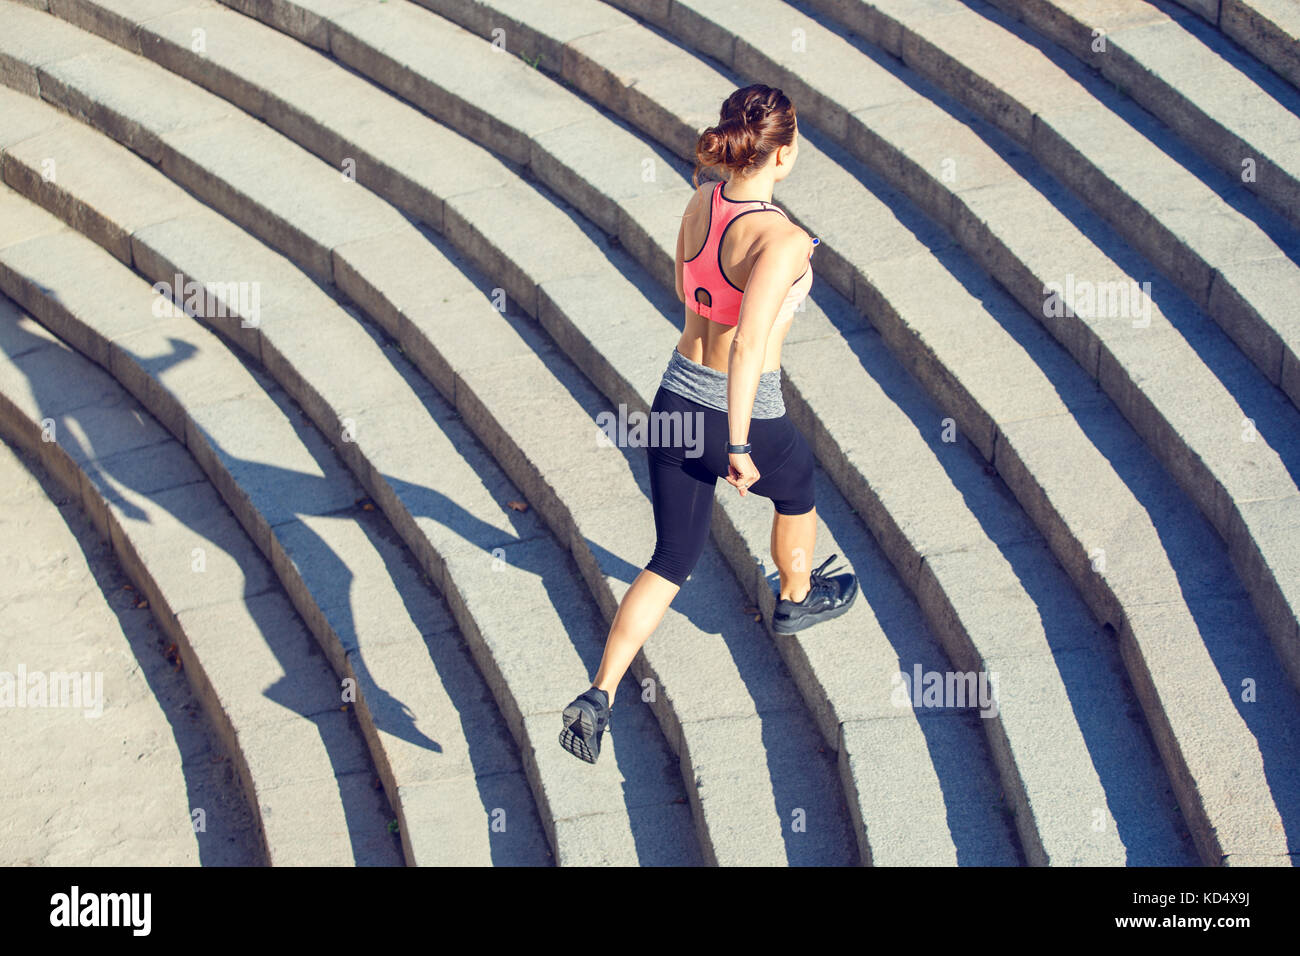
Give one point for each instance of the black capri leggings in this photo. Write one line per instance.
(682, 484)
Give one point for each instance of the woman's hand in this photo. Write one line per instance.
(741, 472)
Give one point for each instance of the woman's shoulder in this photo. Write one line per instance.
(780, 230)
(700, 198)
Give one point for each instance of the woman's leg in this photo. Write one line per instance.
(793, 539)
(681, 492)
(639, 613)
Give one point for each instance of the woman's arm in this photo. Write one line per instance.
(681, 229)
(782, 259)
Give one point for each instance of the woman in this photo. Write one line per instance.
(741, 286)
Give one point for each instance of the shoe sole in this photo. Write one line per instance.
(809, 620)
(579, 741)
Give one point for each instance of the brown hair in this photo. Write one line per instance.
(753, 122)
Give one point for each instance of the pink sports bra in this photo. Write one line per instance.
(702, 275)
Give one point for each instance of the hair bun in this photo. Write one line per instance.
(752, 123)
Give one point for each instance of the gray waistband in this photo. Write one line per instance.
(708, 386)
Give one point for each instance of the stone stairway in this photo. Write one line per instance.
(1048, 543)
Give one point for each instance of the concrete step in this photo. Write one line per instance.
(1228, 106)
(907, 275)
(385, 436)
(301, 507)
(1226, 251)
(768, 708)
(266, 689)
(759, 549)
(117, 767)
(376, 655)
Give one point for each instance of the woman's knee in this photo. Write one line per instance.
(795, 507)
(673, 568)
(680, 544)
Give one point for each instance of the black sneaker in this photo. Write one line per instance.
(585, 722)
(829, 595)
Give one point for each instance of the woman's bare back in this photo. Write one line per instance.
(703, 340)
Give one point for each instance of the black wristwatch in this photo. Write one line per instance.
(737, 449)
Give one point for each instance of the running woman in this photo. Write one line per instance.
(749, 270)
